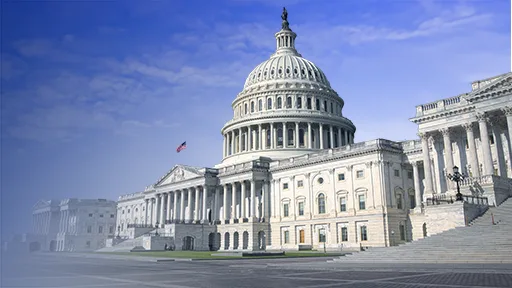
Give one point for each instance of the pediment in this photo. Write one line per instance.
(40, 204)
(179, 173)
(491, 85)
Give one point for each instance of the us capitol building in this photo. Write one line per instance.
(292, 176)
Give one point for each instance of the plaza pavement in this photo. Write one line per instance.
(80, 271)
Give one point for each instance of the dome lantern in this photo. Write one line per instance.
(285, 39)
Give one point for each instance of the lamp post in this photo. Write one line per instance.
(457, 177)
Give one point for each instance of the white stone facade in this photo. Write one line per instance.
(293, 178)
(74, 224)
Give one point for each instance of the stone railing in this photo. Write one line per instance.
(292, 112)
(441, 105)
(486, 180)
(246, 166)
(411, 145)
(131, 196)
(361, 146)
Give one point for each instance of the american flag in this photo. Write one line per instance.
(183, 146)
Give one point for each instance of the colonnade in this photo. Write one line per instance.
(238, 199)
(41, 222)
(285, 135)
(487, 127)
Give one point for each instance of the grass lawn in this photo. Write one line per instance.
(208, 254)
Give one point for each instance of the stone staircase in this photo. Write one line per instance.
(124, 246)
(480, 242)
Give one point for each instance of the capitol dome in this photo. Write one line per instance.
(287, 108)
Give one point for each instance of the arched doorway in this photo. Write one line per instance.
(34, 246)
(235, 240)
(53, 245)
(425, 234)
(226, 241)
(245, 240)
(188, 243)
(261, 240)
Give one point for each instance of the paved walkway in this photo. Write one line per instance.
(81, 272)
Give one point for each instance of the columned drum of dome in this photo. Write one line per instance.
(287, 108)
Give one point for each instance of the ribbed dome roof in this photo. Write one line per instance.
(286, 63)
(286, 67)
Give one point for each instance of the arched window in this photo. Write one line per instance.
(332, 108)
(288, 102)
(301, 137)
(290, 137)
(325, 106)
(299, 102)
(317, 104)
(321, 203)
(260, 105)
(245, 108)
(269, 103)
(279, 137)
(268, 138)
(279, 103)
(399, 201)
(252, 106)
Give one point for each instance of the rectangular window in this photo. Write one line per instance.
(397, 173)
(286, 237)
(285, 186)
(344, 234)
(412, 202)
(101, 215)
(364, 233)
(362, 203)
(359, 174)
(111, 230)
(286, 210)
(325, 106)
(300, 183)
(112, 215)
(89, 229)
(410, 174)
(332, 108)
(321, 235)
(90, 214)
(343, 204)
(301, 208)
(317, 104)
(299, 102)
(100, 229)
(341, 176)
(399, 201)
(402, 232)
(289, 102)
(309, 103)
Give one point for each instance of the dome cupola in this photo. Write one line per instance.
(287, 108)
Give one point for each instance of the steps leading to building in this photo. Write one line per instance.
(124, 246)
(480, 242)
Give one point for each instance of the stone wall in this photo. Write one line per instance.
(156, 243)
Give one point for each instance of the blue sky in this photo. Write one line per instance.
(97, 95)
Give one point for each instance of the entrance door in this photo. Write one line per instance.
(301, 236)
(188, 243)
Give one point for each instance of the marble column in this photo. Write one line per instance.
(146, 212)
(508, 114)
(175, 206)
(339, 137)
(243, 212)
(321, 136)
(297, 134)
(473, 157)
(162, 210)
(232, 142)
(448, 155)
(272, 135)
(197, 211)
(204, 208)
(426, 164)
(215, 214)
(345, 132)
(310, 139)
(285, 136)
(152, 223)
(260, 138)
(417, 186)
(224, 147)
(233, 201)
(486, 146)
(190, 207)
(182, 205)
(239, 140)
(331, 136)
(253, 199)
(168, 216)
(225, 203)
(266, 199)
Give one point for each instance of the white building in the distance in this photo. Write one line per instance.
(292, 176)
(72, 224)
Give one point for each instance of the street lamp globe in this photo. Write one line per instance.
(455, 169)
